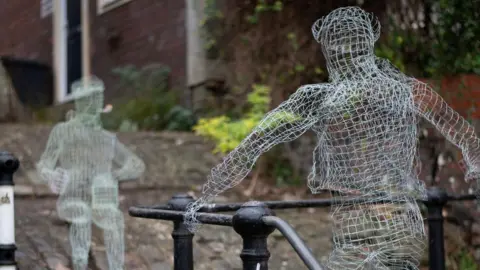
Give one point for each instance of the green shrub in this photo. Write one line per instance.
(154, 106)
(467, 262)
(228, 133)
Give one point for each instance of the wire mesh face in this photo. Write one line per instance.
(91, 104)
(89, 100)
(88, 95)
(346, 34)
(346, 23)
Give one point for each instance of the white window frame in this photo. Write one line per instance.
(107, 5)
(60, 32)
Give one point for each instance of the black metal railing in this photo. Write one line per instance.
(255, 221)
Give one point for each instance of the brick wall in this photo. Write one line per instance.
(149, 31)
(23, 33)
(461, 92)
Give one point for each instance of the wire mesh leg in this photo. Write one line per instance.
(114, 243)
(80, 236)
(380, 237)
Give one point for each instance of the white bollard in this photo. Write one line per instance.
(8, 165)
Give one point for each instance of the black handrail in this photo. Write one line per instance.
(249, 222)
(297, 243)
(206, 218)
(312, 203)
(253, 221)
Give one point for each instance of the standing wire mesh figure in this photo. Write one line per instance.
(366, 121)
(90, 161)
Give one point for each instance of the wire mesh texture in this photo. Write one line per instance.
(366, 120)
(83, 163)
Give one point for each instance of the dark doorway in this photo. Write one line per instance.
(74, 42)
(32, 81)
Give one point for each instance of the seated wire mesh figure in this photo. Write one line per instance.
(91, 161)
(366, 121)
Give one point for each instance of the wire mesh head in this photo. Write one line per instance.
(347, 30)
(88, 95)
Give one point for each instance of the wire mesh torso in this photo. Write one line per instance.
(366, 139)
(90, 150)
(87, 157)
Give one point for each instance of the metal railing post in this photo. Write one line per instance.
(248, 223)
(437, 198)
(8, 166)
(182, 237)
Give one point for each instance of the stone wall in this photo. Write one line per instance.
(182, 161)
(173, 160)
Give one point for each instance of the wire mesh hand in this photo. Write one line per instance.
(59, 180)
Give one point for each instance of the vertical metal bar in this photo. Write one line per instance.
(182, 237)
(437, 198)
(8, 165)
(85, 23)
(248, 223)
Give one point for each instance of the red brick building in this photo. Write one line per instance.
(137, 32)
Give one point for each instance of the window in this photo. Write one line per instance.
(106, 5)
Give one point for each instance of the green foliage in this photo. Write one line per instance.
(228, 133)
(155, 105)
(467, 262)
(284, 174)
(262, 7)
(212, 28)
(391, 49)
(180, 118)
(456, 47)
(213, 24)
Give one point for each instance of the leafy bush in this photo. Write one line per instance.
(456, 47)
(284, 174)
(391, 50)
(228, 133)
(463, 260)
(154, 106)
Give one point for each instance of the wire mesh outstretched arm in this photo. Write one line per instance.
(131, 166)
(46, 165)
(451, 124)
(287, 122)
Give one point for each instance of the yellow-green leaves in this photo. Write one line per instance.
(228, 133)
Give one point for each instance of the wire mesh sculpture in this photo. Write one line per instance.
(90, 161)
(366, 121)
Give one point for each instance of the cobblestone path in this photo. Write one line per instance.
(42, 239)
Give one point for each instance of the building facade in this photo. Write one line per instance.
(123, 32)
